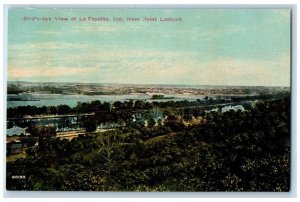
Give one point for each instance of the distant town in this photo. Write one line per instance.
(17, 87)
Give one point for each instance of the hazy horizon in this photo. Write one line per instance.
(222, 47)
(146, 84)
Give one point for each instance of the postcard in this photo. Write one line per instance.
(148, 99)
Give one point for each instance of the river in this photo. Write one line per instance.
(40, 100)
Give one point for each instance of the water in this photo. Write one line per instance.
(72, 100)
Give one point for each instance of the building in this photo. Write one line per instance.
(14, 147)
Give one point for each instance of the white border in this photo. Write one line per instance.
(212, 3)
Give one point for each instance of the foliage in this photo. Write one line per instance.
(119, 109)
(89, 124)
(230, 151)
(41, 131)
(13, 89)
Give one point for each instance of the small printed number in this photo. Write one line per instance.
(20, 177)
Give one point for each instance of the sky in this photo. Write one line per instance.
(244, 47)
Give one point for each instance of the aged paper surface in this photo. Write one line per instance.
(148, 99)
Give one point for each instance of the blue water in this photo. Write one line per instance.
(72, 100)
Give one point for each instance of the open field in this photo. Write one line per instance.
(13, 157)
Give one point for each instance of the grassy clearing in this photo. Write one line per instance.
(13, 157)
(158, 138)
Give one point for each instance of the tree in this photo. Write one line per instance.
(42, 131)
(52, 110)
(13, 89)
(151, 122)
(63, 109)
(105, 106)
(159, 122)
(174, 122)
(118, 104)
(89, 124)
(139, 104)
(94, 106)
(107, 154)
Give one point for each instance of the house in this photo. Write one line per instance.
(14, 147)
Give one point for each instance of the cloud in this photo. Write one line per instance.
(82, 29)
(145, 66)
(225, 71)
(48, 73)
(230, 29)
(31, 47)
(49, 32)
(111, 27)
